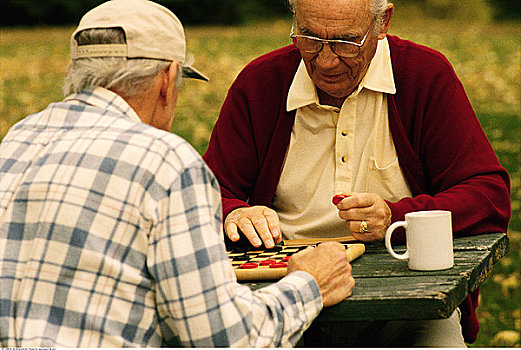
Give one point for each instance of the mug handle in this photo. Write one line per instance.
(388, 240)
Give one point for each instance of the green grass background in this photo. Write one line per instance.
(485, 55)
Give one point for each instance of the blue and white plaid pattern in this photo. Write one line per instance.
(110, 236)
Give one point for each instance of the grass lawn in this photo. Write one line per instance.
(486, 57)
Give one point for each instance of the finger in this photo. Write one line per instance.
(356, 200)
(362, 237)
(351, 285)
(261, 226)
(295, 259)
(356, 226)
(246, 226)
(366, 237)
(231, 231)
(273, 224)
(356, 214)
(302, 253)
(331, 245)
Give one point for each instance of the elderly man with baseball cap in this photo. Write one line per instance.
(110, 226)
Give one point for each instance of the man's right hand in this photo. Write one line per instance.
(259, 224)
(328, 264)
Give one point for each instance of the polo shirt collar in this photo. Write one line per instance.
(379, 78)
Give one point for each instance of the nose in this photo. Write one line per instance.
(326, 58)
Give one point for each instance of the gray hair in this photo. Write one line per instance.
(126, 76)
(377, 8)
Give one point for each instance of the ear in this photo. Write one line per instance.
(168, 82)
(386, 21)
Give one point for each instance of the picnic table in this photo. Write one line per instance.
(387, 290)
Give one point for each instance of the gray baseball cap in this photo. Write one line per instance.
(151, 30)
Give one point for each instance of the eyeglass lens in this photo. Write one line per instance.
(311, 45)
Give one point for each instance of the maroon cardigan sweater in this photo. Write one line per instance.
(443, 152)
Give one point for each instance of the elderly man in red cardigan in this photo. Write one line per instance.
(348, 109)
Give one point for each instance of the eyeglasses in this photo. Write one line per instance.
(342, 48)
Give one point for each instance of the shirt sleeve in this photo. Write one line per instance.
(198, 299)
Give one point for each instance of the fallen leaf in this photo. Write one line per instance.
(506, 338)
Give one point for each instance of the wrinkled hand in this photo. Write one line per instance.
(368, 207)
(328, 264)
(259, 224)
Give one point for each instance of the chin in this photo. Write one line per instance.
(340, 90)
(338, 93)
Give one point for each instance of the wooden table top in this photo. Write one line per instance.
(387, 290)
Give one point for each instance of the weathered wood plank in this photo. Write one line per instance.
(476, 270)
(380, 265)
(396, 298)
(488, 241)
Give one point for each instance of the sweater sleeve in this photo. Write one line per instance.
(231, 153)
(457, 167)
(249, 140)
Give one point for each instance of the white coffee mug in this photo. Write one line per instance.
(429, 240)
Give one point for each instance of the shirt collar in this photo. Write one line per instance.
(105, 99)
(379, 78)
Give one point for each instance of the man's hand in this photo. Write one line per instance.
(328, 264)
(368, 207)
(254, 222)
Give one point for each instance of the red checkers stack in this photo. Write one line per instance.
(249, 266)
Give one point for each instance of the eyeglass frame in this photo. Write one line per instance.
(331, 42)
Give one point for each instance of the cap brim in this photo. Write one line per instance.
(190, 72)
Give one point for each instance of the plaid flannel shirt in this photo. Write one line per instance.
(110, 235)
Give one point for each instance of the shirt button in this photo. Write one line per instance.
(344, 133)
(344, 159)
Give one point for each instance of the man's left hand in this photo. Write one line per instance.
(370, 208)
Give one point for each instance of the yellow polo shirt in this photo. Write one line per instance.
(334, 150)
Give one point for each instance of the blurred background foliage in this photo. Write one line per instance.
(481, 38)
(233, 12)
(190, 12)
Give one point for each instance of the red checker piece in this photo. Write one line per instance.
(279, 264)
(249, 266)
(267, 262)
(337, 198)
